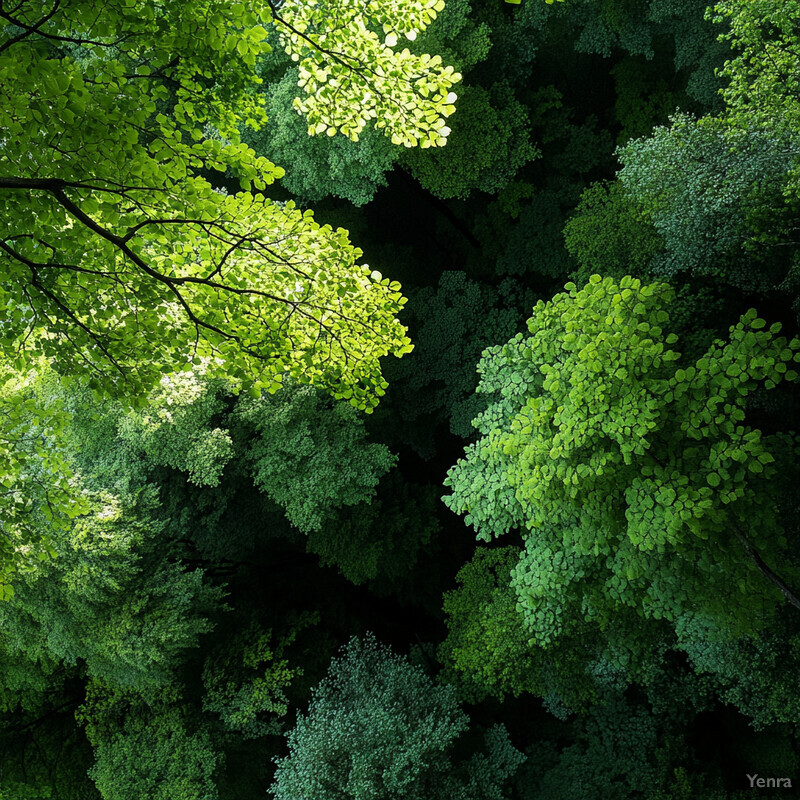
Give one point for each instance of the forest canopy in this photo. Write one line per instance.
(301, 298)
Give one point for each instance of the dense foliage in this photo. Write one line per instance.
(237, 532)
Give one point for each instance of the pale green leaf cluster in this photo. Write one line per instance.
(379, 727)
(351, 72)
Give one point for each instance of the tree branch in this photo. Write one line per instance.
(762, 567)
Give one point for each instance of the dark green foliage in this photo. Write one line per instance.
(572, 149)
(380, 543)
(452, 324)
(620, 750)
(488, 145)
(296, 451)
(755, 674)
(610, 234)
(378, 726)
(109, 601)
(155, 751)
(638, 27)
(245, 679)
(45, 756)
(644, 97)
(708, 189)
(462, 40)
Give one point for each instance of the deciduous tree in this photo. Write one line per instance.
(633, 477)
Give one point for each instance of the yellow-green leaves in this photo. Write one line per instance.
(119, 253)
(121, 261)
(354, 72)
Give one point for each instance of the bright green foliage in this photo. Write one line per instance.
(489, 143)
(627, 473)
(38, 491)
(612, 235)
(176, 429)
(122, 262)
(112, 240)
(709, 189)
(764, 84)
(351, 76)
(379, 727)
(148, 751)
(321, 166)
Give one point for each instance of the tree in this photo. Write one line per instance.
(110, 601)
(712, 191)
(113, 233)
(378, 726)
(320, 166)
(38, 495)
(721, 190)
(232, 471)
(143, 750)
(632, 476)
(350, 76)
(122, 261)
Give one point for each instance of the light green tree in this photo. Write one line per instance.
(121, 261)
(637, 485)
